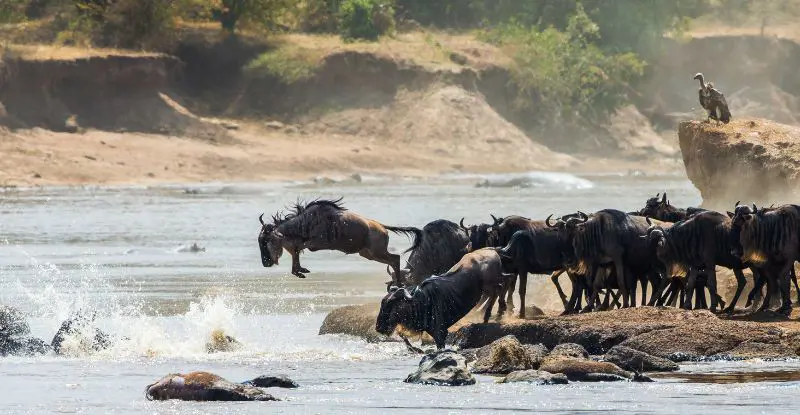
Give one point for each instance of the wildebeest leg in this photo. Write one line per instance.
(711, 284)
(615, 299)
(554, 278)
(439, 337)
(523, 290)
(487, 313)
(596, 280)
(786, 297)
(606, 305)
(385, 257)
(297, 269)
(772, 284)
(794, 280)
(691, 281)
(623, 288)
(411, 347)
(740, 282)
(511, 284)
(759, 280)
(574, 302)
(643, 280)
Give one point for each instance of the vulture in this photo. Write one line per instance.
(713, 101)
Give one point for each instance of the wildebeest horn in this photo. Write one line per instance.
(462, 224)
(647, 218)
(389, 270)
(658, 194)
(261, 219)
(737, 203)
(664, 198)
(584, 216)
(547, 221)
(755, 209)
(496, 221)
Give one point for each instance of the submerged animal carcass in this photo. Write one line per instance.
(203, 386)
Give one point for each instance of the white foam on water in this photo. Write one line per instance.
(532, 179)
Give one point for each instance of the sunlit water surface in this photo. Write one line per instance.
(117, 251)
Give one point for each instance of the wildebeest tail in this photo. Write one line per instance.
(411, 231)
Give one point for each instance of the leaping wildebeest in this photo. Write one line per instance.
(712, 100)
(440, 301)
(326, 225)
(437, 247)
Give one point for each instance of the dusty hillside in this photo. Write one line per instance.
(752, 160)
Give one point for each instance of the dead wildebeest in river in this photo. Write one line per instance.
(441, 301)
(768, 239)
(326, 224)
(662, 210)
(437, 247)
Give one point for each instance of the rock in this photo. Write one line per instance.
(569, 350)
(538, 377)
(221, 342)
(535, 352)
(758, 350)
(634, 360)
(749, 159)
(587, 370)
(280, 381)
(445, 368)
(193, 248)
(355, 320)
(502, 356)
(78, 335)
(274, 125)
(657, 331)
(15, 339)
(203, 386)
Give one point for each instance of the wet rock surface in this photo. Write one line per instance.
(78, 334)
(280, 381)
(585, 370)
(536, 377)
(502, 356)
(668, 333)
(445, 368)
(203, 386)
(15, 338)
(635, 360)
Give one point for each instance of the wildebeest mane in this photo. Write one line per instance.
(299, 206)
(774, 229)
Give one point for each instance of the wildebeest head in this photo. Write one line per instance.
(568, 227)
(741, 216)
(479, 235)
(270, 242)
(653, 204)
(395, 309)
(402, 276)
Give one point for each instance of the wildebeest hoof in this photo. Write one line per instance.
(304, 270)
(298, 275)
(785, 310)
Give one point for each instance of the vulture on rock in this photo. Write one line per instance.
(713, 101)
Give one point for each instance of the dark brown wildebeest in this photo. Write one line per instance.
(662, 210)
(437, 247)
(326, 224)
(613, 237)
(441, 301)
(701, 242)
(768, 239)
(479, 234)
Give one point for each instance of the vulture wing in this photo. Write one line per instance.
(721, 104)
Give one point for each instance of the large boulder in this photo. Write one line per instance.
(203, 386)
(585, 370)
(537, 377)
(502, 356)
(749, 159)
(634, 360)
(79, 335)
(15, 336)
(572, 350)
(354, 320)
(280, 381)
(445, 368)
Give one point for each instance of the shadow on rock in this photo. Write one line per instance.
(203, 386)
(445, 368)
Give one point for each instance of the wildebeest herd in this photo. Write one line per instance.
(609, 256)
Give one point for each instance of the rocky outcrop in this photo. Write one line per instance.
(663, 332)
(354, 320)
(78, 335)
(203, 386)
(503, 356)
(445, 368)
(634, 360)
(752, 160)
(536, 377)
(15, 338)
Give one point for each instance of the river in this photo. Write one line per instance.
(117, 251)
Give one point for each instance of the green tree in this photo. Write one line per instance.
(12, 10)
(229, 13)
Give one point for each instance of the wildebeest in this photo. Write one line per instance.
(440, 301)
(613, 237)
(700, 242)
(479, 234)
(768, 239)
(713, 101)
(662, 210)
(326, 224)
(437, 247)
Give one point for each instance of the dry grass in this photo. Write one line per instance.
(66, 53)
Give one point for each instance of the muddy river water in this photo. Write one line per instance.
(120, 251)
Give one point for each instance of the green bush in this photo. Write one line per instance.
(12, 10)
(289, 64)
(365, 19)
(563, 75)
